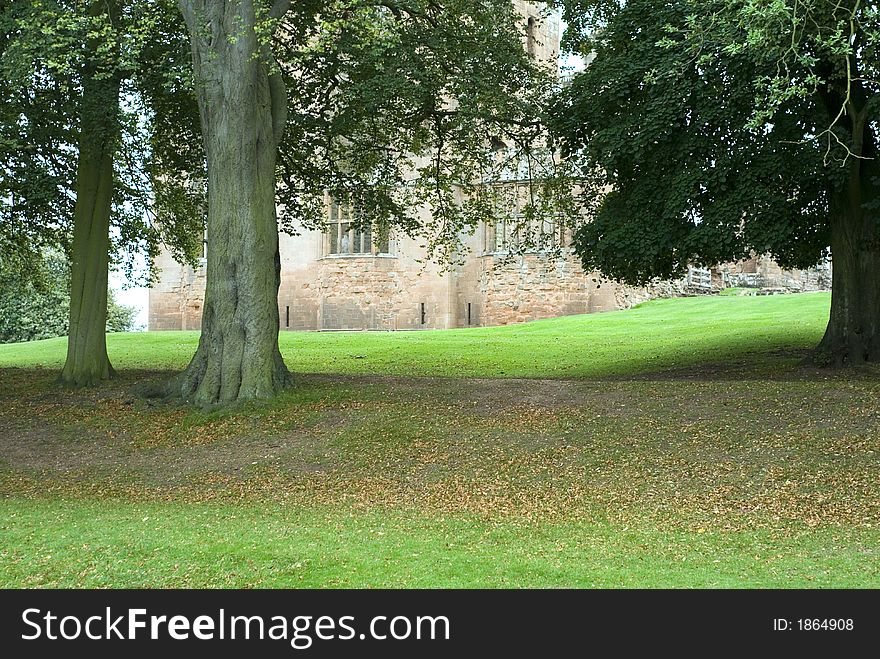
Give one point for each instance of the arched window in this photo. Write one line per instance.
(530, 35)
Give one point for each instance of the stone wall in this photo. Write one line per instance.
(532, 286)
(175, 301)
(387, 292)
(361, 292)
(318, 292)
(626, 297)
(500, 289)
(764, 272)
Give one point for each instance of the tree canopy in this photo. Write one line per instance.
(708, 130)
(81, 153)
(43, 58)
(396, 105)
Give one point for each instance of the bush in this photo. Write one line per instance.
(36, 304)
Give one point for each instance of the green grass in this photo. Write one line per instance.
(658, 334)
(733, 292)
(182, 545)
(684, 443)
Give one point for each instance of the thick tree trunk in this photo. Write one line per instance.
(853, 333)
(87, 361)
(242, 114)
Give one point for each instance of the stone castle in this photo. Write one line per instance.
(342, 279)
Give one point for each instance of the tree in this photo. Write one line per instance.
(243, 108)
(75, 147)
(99, 134)
(36, 305)
(388, 105)
(711, 129)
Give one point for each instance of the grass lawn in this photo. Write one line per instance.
(660, 334)
(682, 444)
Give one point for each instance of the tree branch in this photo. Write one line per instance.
(279, 8)
(278, 95)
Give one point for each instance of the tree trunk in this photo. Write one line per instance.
(853, 333)
(87, 361)
(242, 110)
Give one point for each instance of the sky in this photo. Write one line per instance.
(132, 297)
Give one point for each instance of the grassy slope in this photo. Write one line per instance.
(756, 474)
(659, 334)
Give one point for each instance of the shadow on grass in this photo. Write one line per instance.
(776, 365)
(780, 365)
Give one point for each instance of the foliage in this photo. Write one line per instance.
(37, 305)
(120, 317)
(709, 129)
(42, 64)
(396, 107)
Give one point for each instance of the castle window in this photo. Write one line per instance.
(530, 36)
(516, 231)
(346, 237)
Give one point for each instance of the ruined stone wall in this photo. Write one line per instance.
(627, 297)
(764, 272)
(533, 286)
(321, 292)
(386, 292)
